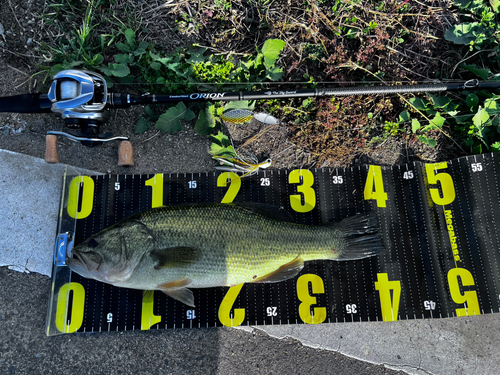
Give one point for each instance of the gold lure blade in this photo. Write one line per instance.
(237, 116)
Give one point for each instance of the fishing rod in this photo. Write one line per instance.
(83, 101)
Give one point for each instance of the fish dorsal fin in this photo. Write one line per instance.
(267, 210)
(285, 272)
(178, 291)
(178, 256)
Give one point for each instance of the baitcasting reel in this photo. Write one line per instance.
(81, 98)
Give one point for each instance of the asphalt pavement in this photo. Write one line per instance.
(29, 202)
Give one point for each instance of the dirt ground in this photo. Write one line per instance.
(24, 31)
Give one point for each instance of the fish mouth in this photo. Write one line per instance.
(86, 264)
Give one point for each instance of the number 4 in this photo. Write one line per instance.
(388, 304)
(374, 187)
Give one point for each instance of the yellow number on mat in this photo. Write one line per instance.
(305, 188)
(87, 200)
(307, 300)
(374, 187)
(226, 306)
(148, 318)
(156, 184)
(389, 306)
(234, 186)
(445, 180)
(77, 308)
(469, 297)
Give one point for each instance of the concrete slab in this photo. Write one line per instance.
(468, 345)
(29, 202)
(30, 191)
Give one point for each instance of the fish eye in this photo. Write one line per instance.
(93, 243)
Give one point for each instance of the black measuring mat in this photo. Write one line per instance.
(439, 223)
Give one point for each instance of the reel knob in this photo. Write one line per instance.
(51, 155)
(125, 154)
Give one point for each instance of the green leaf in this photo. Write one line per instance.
(491, 106)
(170, 122)
(163, 60)
(440, 101)
(495, 5)
(184, 112)
(56, 69)
(481, 118)
(141, 49)
(404, 116)
(123, 47)
(221, 139)
(418, 104)
(217, 150)
(120, 70)
(74, 64)
(141, 126)
(98, 59)
(130, 36)
(196, 55)
(151, 115)
(472, 100)
(124, 58)
(481, 73)
(438, 120)
(495, 147)
(271, 51)
(117, 70)
(274, 73)
(415, 125)
(462, 119)
(464, 33)
(155, 65)
(206, 121)
(428, 141)
(244, 104)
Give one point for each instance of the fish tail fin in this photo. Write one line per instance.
(359, 237)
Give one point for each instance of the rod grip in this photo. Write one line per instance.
(125, 154)
(25, 103)
(51, 155)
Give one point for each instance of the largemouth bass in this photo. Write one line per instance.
(208, 245)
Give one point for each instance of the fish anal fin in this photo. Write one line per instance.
(285, 272)
(178, 256)
(178, 291)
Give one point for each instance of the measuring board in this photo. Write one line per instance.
(440, 225)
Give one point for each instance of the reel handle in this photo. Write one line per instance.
(51, 155)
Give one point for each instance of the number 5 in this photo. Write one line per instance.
(444, 179)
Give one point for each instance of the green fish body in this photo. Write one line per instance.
(208, 245)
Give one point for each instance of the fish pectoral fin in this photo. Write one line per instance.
(178, 291)
(285, 272)
(178, 256)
